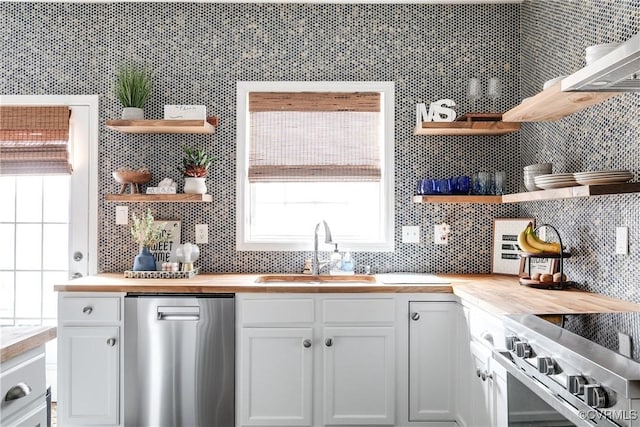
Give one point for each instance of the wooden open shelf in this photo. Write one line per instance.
(572, 192)
(470, 124)
(164, 126)
(552, 104)
(457, 198)
(149, 198)
(532, 196)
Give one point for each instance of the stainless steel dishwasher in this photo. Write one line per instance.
(179, 360)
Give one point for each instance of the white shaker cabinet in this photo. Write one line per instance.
(276, 379)
(313, 360)
(432, 358)
(486, 400)
(90, 359)
(358, 375)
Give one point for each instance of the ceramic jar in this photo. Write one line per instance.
(195, 185)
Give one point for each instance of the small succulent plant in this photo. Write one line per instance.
(195, 162)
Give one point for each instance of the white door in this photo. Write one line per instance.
(91, 372)
(480, 388)
(359, 375)
(463, 372)
(276, 376)
(498, 385)
(48, 225)
(432, 328)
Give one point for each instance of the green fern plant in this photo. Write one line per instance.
(133, 86)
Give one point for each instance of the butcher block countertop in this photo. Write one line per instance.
(498, 294)
(15, 340)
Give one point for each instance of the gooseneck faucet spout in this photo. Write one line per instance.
(315, 270)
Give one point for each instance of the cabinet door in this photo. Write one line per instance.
(89, 375)
(499, 410)
(276, 376)
(482, 403)
(465, 375)
(432, 327)
(359, 375)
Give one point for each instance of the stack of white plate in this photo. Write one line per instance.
(603, 177)
(555, 180)
(531, 171)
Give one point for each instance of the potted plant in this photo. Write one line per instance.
(195, 168)
(133, 88)
(146, 232)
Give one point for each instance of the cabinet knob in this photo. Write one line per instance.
(87, 310)
(328, 342)
(17, 391)
(478, 372)
(306, 343)
(111, 342)
(486, 376)
(415, 316)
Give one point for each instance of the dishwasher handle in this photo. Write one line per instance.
(178, 312)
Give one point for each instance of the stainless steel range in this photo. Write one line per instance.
(568, 366)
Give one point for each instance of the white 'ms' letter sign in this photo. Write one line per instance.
(438, 112)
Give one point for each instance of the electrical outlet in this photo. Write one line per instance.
(411, 234)
(122, 215)
(202, 233)
(624, 344)
(622, 240)
(441, 234)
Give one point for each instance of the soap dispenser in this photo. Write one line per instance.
(335, 261)
(347, 263)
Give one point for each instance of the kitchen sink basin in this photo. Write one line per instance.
(315, 280)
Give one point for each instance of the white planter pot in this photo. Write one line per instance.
(132, 113)
(195, 185)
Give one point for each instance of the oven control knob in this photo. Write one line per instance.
(523, 350)
(546, 366)
(575, 384)
(511, 341)
(595, 395)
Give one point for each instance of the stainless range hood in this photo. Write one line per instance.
(618, 71)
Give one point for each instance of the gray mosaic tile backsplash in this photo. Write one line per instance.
(602, 137)
(199, 51)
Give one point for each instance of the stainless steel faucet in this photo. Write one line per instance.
(317, 265)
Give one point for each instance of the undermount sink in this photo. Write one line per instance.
(311, 279)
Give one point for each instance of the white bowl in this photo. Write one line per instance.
(530, 186)
(538, 167)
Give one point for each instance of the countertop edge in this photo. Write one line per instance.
(20, 343)
(498, 294)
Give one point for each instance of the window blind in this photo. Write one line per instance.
(34, 140)
(314, 136)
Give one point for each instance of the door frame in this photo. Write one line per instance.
(92, 102)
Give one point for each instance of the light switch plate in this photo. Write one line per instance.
(622, 240)
(202, 233)
(122, 215)
(441, 234)
(411, 234)
(624, 344)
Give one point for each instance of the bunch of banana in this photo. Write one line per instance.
(529, 242)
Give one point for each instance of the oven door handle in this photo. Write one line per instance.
(572, 414)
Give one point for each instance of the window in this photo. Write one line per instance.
(309, 151)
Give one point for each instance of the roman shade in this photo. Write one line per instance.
(314, 136)
(34, 140)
